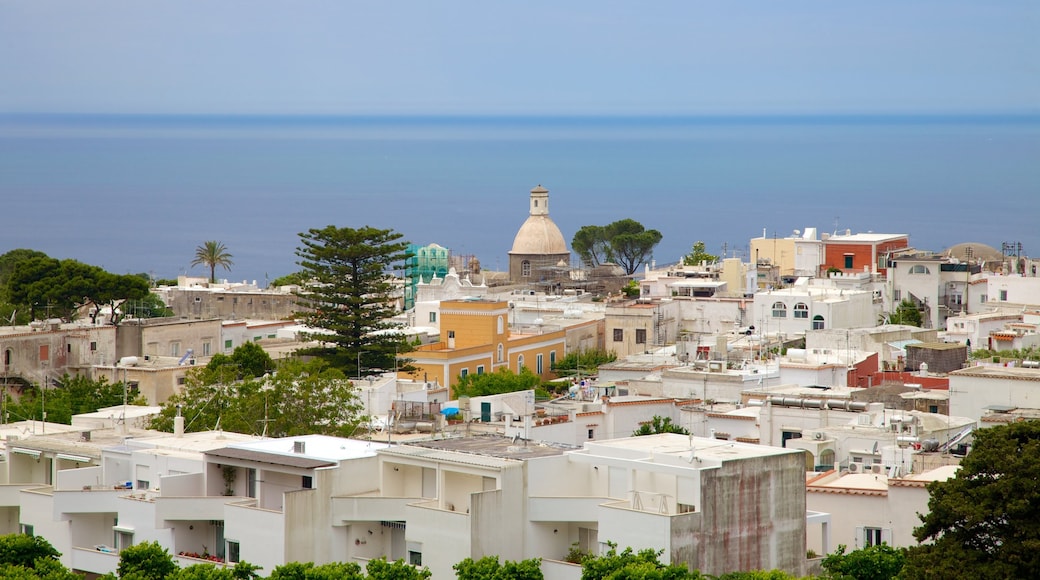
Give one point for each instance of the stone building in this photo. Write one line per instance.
(539, 246)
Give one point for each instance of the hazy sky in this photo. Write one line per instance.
(531, 57)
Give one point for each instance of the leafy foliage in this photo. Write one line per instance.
(61, 287)
(625, 242)
(73, 396)
(489, 568)
(212, 254)
(146, 561)
(659, 424)
(634, 565)
(308, 571)
(698, 255)
(349, 291)
(985, 522)
(906, 313)
(877, 562)
(23, 550)
(248, 360)
(299, 398)
(502, 380)
(296, 278)
(380, 569)
(583, 362)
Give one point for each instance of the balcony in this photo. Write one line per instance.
(369, 508)
(89, 501)
(565, 509)
(193, 508)
(98, 560)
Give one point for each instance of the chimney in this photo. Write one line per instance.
(178, 424)
(299, 447)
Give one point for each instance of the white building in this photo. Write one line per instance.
(813, 305)
(974, 391)
(868, 508)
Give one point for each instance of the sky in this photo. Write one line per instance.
(584, 57)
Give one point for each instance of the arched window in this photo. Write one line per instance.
(500, 351)
(826, 460)
(525, 268)
(919, 269)
(519, 363)
(801, 310)
(779, 310)
(501, 325)
(817, 322)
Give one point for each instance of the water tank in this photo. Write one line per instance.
(930, 445)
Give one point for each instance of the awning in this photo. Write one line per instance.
(76, 458)
(35, 454)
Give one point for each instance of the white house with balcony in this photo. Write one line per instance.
(813, 305)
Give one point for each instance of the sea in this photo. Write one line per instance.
(138, 193)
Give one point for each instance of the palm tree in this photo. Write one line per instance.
(213, 254)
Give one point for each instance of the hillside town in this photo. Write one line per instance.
(814, 388)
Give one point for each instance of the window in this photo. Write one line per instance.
(1003, 295)
(871, 537)
(451, 334)
(307, 482)
(817, 322)
(501, 325)
(480, 369)
(93, 346)
(464, 373)
(143, 484)
(525, 268)
(433, 317)
(519, 363)
(801, 310)
(124, 540)
(414, 558)
(538, 364)
(45, 352)
(619, 335)
(897, 295)
(592, 433)
(983, 298)
(933, 408)
(205, 349)
(234, 551)
(228, 344)
(848, 261)
(251, 482)
(779, 310)
(552, 359)
(175, 349)
(499, 353)
(26, 529)
(919, 269)
(640, 336)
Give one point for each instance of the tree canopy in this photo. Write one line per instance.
(583, 362)
(502, 380)
(635, 565)
(659, 424)
(489, 568)
(625, 242)
(298, 398)
(698, 255)
(906, 312)
(73, 396)
(39, 284)
(877, 562)
(985, 522)
(212, 254)
(349, 291)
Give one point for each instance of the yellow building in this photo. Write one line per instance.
(475, 338)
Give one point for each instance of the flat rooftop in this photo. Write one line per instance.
(998, 372)
(495, 446)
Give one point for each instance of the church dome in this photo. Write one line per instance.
(539, 235)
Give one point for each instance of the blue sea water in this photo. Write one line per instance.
(138, 194)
